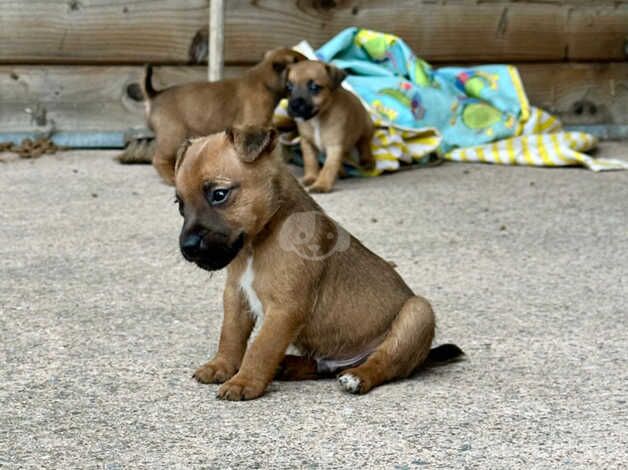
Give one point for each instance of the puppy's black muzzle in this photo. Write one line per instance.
(210, 251)
(299, 107)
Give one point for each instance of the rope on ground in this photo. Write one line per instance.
(29, 148)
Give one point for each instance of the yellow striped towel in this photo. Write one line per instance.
(541, 142)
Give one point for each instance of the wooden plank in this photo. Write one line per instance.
(90, 98)
(579, 93)
(439, 32)
(591, 31)
(97, 98)
(169, 31)
(97, 31)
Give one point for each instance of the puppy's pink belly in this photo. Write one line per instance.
(332, 366)
(343, 357)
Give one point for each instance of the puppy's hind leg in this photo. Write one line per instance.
(367, 161)
(165, 154)
(404, 348)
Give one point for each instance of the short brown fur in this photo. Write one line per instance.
(202, 108)
(335, 307)
(340, 122)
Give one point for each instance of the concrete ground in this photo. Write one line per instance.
(102, 324)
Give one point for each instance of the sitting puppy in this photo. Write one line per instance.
(330, 119)
(202, 108)
(293, 268)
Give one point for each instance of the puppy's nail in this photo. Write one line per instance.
(350, 383)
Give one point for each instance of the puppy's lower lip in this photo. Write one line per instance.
(222, 257)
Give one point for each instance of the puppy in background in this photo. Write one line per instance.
(330, 120)
(202, 108)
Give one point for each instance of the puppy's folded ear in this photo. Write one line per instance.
(251, 142)
(279, 66)
(270, 52)
(335, 74)
(183, 148)
(283, 79)
(283, 57)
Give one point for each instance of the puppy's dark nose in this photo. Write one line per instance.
(191, 245)
(298, 102)
(298, 106)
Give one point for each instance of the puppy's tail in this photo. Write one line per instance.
(149, 91)
(443, 354)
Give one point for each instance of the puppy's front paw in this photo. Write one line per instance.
(308, 180)
(320, 187)
(214, 372)
(238, 389)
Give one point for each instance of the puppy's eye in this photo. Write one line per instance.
(314, 88)
(218, 196)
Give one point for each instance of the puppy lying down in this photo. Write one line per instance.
(294, 269)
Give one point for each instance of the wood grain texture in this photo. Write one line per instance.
(96, 98)
(442, 31)
(99, 31)
(162, 31)
(439, 31)
(580, 93)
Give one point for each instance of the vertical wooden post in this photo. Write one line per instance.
(215, 57)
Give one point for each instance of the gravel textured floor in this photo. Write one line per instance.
(102, 325)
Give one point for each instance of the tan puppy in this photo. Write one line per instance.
(294, 269)
(202, 108)
(330, 120)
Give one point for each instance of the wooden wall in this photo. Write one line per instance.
(71, 62)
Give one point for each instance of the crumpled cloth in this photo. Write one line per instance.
(473, 114)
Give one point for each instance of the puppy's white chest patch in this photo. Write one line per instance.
(316, 127)
(246, 284)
